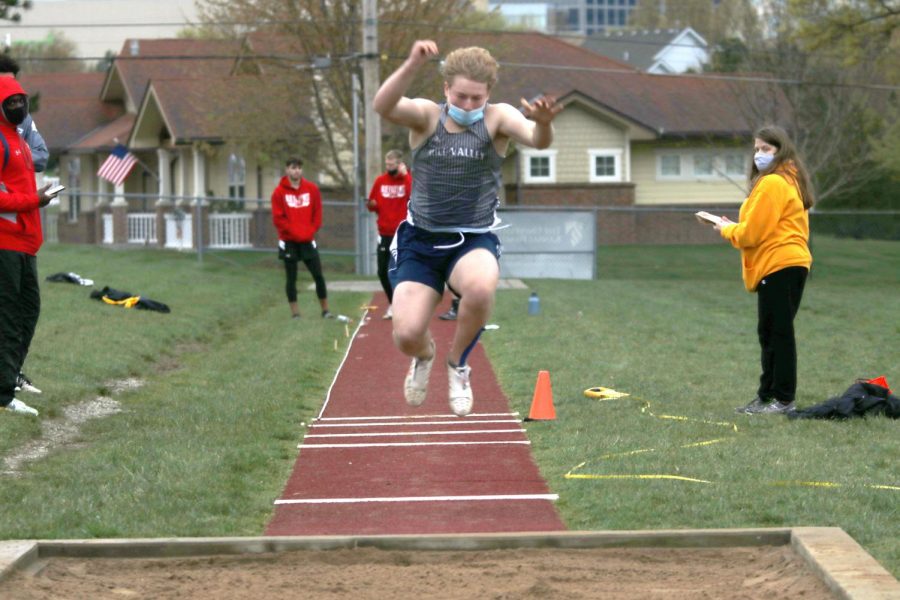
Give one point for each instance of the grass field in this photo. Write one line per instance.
(204, 447)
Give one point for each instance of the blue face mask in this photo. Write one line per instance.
(466, 118)
(763, 160)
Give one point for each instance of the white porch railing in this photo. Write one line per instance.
(107, 229)
(229, 230)
(141, 228)
(179, 231)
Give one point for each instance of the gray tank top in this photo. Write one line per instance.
(456, 180)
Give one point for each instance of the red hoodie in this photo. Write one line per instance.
(296, 212)
(20, 219)
(391, 195)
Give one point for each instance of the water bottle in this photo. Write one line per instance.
(534, 304)
(343, 319)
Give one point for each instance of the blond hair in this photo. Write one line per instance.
(472, 63)
(395, 154)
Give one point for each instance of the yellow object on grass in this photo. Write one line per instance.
(602, 393)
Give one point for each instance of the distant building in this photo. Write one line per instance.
(654, 50)
(581, 17)
(98, 26)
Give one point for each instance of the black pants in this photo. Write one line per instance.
(384, 259)
(778, 298)
(20, 307)
(306, 252)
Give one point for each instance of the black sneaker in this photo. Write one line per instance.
(773, 408)
(326, 314)
(450, 315)
(23, 383)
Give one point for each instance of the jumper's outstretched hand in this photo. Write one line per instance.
(541, 110)
(421, 52)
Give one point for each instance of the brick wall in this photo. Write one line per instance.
(83, 231)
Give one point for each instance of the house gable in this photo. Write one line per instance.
(686, 52)
(150, 127)
(114, 89)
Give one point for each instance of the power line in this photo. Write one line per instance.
(406, 23)
(304, 61)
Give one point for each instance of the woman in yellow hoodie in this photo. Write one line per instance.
(772, 234)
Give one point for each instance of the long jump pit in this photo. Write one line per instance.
(802, 562)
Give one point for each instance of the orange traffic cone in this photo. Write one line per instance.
(542, 404)
(882, 381)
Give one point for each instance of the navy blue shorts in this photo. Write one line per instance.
(429, 257)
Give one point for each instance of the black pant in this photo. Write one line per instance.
(20, 307)
(384, 259)
(306, 252)
(778, 298)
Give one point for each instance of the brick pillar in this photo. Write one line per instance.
(201, 218)
(120, 223)
(163, 207)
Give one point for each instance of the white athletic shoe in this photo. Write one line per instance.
(23, 383)
(416, 385)
(460, 390)
(389, 314)
(17, 406)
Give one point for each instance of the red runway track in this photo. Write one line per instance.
(372, 465)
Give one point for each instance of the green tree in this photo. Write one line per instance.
(861, 35)
(858, 30)
(10, 10)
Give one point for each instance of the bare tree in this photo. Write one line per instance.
(828, 103)
(54, 54)
(314, 48)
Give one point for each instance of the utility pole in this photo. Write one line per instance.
(371, 83)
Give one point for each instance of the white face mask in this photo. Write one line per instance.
(763, 160)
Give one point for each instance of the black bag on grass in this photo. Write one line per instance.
(128, 300)
(860, 400)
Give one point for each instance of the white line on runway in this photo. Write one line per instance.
(391, 417)
(420, 499)
(306, 446)
(399, 433)
(457, 422)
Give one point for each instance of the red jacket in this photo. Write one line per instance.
(297, 212)
(391, 195)
(20, 219)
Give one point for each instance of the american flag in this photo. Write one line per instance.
(118, 165)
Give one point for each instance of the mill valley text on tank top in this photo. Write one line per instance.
(456, 180)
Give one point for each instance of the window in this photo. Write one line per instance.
(670, 165)
(237, 176)
(74, 186)
(605, 165)
(703, 165)
(539, 166)
(734, 164)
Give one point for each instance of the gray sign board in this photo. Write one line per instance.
(548, 244)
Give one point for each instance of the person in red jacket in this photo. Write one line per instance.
(20, 239)
(297, 215)
(388, 199)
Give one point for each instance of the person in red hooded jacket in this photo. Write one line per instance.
(297, 215)
(388, 199)
(20, 239)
